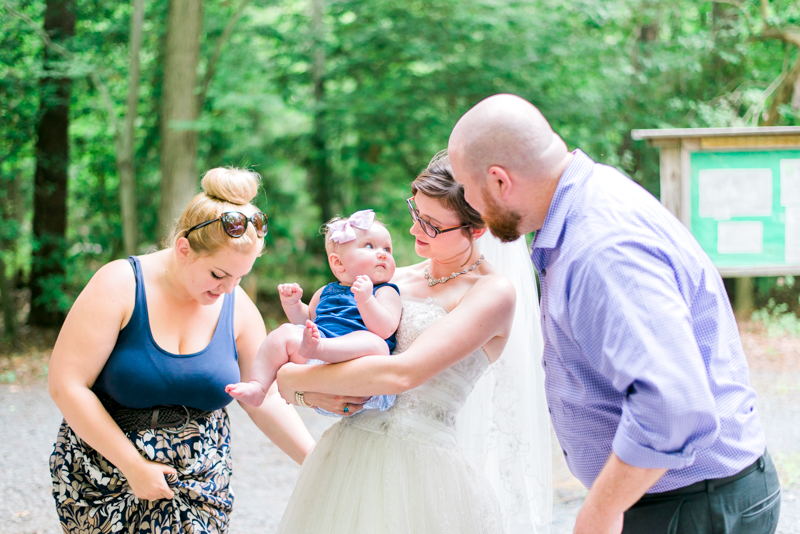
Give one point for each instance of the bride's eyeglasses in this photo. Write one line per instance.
(429, 229)
(235, 223)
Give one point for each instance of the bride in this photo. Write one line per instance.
(408, 470)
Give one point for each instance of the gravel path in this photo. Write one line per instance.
(264, 476)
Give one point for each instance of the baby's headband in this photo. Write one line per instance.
(342, 231)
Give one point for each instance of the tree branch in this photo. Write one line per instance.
(755, 110)
(788, 34)
(212, 64)
(39, 31)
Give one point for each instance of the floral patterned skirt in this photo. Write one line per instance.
(93, 497)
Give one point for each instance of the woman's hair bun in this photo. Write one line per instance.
(232, 185)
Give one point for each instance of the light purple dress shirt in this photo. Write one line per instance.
(642, 354)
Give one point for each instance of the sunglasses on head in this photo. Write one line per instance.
(429, 229)
(235, 223)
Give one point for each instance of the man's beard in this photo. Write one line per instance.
(503, 224)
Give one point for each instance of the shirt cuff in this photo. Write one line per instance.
(638, 455)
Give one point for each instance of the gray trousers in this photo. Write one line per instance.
(750, 505)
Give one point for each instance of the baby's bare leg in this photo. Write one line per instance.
(340, 349)
(273, 353)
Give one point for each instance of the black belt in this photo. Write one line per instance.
(708, 485)
(162, 416)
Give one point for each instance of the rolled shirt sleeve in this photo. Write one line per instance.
(632, 322)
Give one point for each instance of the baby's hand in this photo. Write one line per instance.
(290, 294)
(362, 288)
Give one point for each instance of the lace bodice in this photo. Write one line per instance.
(426, 413)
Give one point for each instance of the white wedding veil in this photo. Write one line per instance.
(504, 426)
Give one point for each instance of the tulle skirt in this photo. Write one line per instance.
(358, 481)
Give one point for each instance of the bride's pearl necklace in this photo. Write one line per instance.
(433, 281)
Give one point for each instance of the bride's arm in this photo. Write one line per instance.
(485, 312)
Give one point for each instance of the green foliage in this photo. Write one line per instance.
(396, 76)
(8, 377)
(20, 68)
(777, 319)
(788, 467)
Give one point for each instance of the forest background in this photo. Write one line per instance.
(111, 111)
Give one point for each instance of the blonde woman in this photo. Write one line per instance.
(139, 371)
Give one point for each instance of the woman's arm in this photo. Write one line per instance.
(84, 344)
(277, 420)
(485, 312)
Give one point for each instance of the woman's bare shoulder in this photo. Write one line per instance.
(246, 317)
(494, 281)
(245, 309)
(111, 293)
(116, 275)
(492, 289)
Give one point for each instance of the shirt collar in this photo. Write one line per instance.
(574, 175)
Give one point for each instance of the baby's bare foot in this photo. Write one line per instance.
(311, 341)
(248, 392)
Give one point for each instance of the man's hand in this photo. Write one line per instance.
(290, 294)
(362, 288)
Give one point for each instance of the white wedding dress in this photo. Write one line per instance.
(438, 462)
(401, 470)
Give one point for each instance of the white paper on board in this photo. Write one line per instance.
(726, 193)
(740, 237)
(790, 182)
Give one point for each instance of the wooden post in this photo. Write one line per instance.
(671, 177)
(743, 304)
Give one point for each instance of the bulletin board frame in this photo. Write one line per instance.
(693, 155)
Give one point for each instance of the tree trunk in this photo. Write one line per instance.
(50, 183)
(179, 145)
(125, 165)
(8, 245)
(9, 310)
(319, 173)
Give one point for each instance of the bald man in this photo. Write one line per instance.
(646, 380)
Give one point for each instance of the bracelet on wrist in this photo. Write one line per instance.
(301, 401)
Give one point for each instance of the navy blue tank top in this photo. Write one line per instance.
(337, 313)
(140, 374)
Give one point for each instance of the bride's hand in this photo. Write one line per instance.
(335, 403)
(332, 403)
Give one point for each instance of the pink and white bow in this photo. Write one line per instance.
(342, 231)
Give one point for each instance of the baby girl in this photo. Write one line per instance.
(354, 317)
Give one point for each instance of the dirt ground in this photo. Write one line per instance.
(264, 476)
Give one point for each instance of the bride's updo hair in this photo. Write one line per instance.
(436, 181)
(224, 189)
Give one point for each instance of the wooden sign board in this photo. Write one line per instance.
(738, 191)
